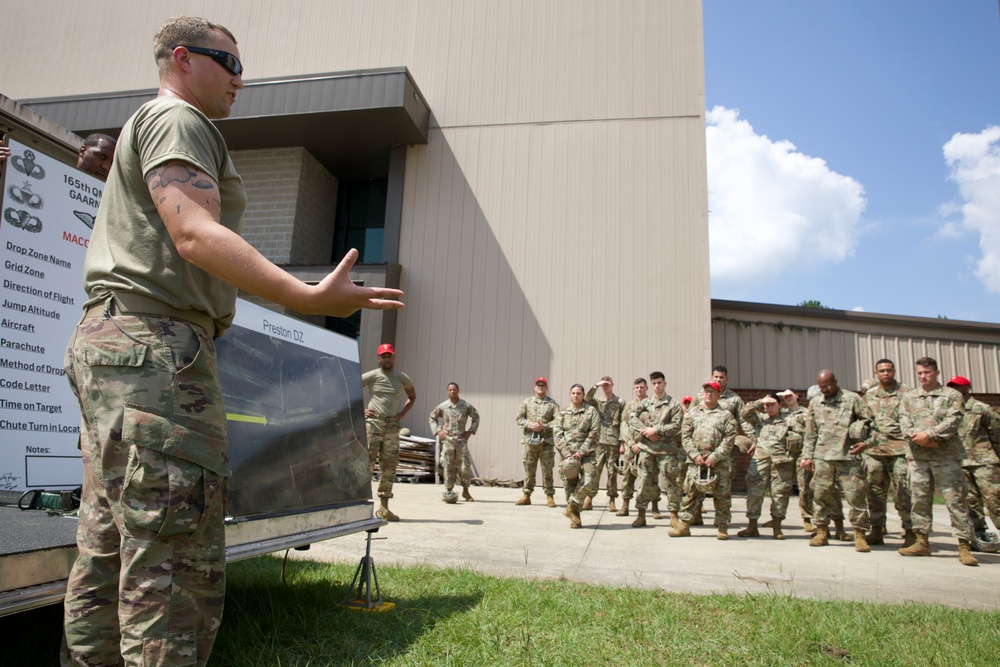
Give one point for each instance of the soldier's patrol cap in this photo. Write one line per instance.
(959, 381)
(386, 348)
(541, 380)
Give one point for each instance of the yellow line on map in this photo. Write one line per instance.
(253, 419)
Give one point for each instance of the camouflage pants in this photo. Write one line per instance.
(607, 459)
(584, 485)
(885, 474)
(532, 455)
(804, 478)
(383, 448)
(984, 487)
(950, 481)
(659, 474)
(629, 473)
(827, 499)
(455, 461)
(148, 585)
(722, 494)
(764, 476)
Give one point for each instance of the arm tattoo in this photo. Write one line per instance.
(161, 177)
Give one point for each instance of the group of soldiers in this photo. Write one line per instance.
(855, 447)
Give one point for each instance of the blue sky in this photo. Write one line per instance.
(828, 124)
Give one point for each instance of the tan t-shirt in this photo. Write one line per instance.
(386, 390)
(130, 249)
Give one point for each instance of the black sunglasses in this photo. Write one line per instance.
(224, 58)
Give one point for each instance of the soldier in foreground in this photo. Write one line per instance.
(609, 407)
(449, 421)
(535, 415)
(980, 434)
(837, 424)
(576, 430)
(657, 422)
(772, 469)
(628, 437)
(708, 434)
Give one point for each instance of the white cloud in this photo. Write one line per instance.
(858, 309)
(772, 209)
(974, 164)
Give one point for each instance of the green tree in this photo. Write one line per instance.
(813, 303)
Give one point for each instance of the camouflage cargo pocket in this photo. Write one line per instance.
(174, 475)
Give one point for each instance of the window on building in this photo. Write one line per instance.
(360, 220)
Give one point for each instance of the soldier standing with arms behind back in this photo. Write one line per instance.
(534, 417)
(980, 433)
(930, 419)
(448, 421)
(161, 273)
(628, 437)
(386, 387)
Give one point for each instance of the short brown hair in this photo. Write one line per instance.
(183, 30)
(927, 362)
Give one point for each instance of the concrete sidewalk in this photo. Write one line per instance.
(493, 536)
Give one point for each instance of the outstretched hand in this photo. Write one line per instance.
(338, 296)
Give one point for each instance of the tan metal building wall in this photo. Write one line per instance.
(771, 347)
(556, 222)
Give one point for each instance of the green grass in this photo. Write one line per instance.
(458, 617)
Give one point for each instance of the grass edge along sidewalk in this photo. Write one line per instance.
(460, 617)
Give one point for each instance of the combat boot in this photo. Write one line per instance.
(722, 531)
(808, 526)
(751, 530)
(909, 538)
(656, 510)
(875, 536)
(640, 519)
(683, 529)
(550, 501)
(821, 538)
(384, 512)
(965, 556)
(696, 519)
(840, 533)
(573, 512)
(675, 520)
(860, 544)
(776, 529)
(588, 503)
(525, 499)
(466, 495)
(768, 524)
(611, 505)
(624, 510)
(920, 547)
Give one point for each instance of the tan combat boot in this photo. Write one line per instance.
(588, 503)
(860, 544)
(384, 512)
(965, 556)
(776, 529)
(525, 499)
(722, 531)
(573, 512)
(768, 524)
(840, 533)
(465, 494)
(875, 536)
(624, 510)
(656, 510)
(751, 530)
(640, 519)
(675, 520)
(920, 547)
(909, 538)
(550, 501)
(682, 530)
(821, 538)
(808, 526)
(611, 505)
(696, 519)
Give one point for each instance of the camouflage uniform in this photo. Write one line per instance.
(772, 469)
(711, 433)
(386, 390)
(980, 433)
(151, 534)
(658, 464)
(544, 410)
(628, 438)
(576, 431)
(938, 413)
(885, 461)
(826, 443)
(610, 412)
(803, 477)
(453, 418)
